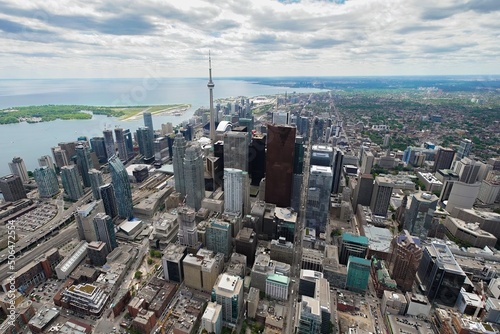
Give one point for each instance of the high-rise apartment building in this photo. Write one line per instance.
(228, 292)
(194, 176)
(96, 181)
(12, 188)
(236, 146)
(367, 161)
(18, 168)
(46, 180)
(443, 159)
(71, 182)
(233, 190)
(352, 245)
(109, 143)
(46, 160)
(107, 195)
(84, 163)
(381, 196)
(279, 164)
(418, 217)
(105, 230)
(99, 148)
(318, 197)
(404, 258)
(440, 274)
(179, 151)
(363, 191)
(468, 170)
(464, 149)
(121, 184)
(122, 143)
(187, 234)
(148, 120)
(60, 157)
(145, 141)
(84, 217)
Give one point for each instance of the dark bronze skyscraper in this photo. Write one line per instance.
(279, 164)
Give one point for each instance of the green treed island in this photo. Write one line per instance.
(46, 113)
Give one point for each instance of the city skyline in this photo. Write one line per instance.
(273, 38)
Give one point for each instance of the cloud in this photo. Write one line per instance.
(446, 48)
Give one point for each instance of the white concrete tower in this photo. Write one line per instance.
(211, 86)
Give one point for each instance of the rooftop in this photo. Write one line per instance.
(278, 278)
(356, 239)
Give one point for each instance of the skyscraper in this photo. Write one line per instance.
(233, 190)
(109, 143)
(18, 168)
(95, 182)
(121, 144)
(381, 196)
(145, 141)
(105, 230)
(179, 150)
(46, 160)
(279, 164)
(84, 163)
(228, 292)
(257, 158)
(12, 188)
(418, 217)
(363, 191)
(60, 157)
(46, 180)
(107, 194)
(211, 86)
(352, 245)
(98, 146)
(236, 145)
(148, 120)
(187, 233)
(71, 182)
(337, 170)
(443, 159)
(121, 184)
(404, 258)
(194, 177)
(219, 237)
(464, 149)
(318, 197)
(84, 217)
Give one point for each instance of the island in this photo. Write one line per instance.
(46, 113)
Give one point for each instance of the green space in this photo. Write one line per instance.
(46, 113)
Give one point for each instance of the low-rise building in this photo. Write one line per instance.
(393, 303)
(64, 269)
(277, 286)
(42, 319)
(471, 233)
(85, 299)
(145, 321)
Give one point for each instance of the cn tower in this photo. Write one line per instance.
(210, 86)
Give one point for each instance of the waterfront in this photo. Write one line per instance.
(30, 141)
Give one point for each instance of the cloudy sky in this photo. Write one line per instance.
(123, 38)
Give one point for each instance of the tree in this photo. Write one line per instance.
(150, 261)
(138, 274)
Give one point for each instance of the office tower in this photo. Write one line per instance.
(46, 160)
(467, 170)
(443, 159)
(233, 190)
(148, 120)
(246, 244)
(440, 274)
(12, 188)
(236, 145)
(219, 237)
(418, 216)
(98, 146)
(404, 258)
(296, 191)
(60, 157)
(160, 146)
(121, 144)
(322, 155)
(179, 150)
(317, 131)
(464, 149)
(187, 234)
(105, 230)
(363, 191)
(202, 269)
(456, 194)
(358, 272)
(247, 206)
(257, 158)
(166, 129)
(107, 195)
(318, 198)
(309, 318)
(228, 292)
(109, 143)
(97, 252)
(194, 177)
(172, 259)
(367, 160)
(381, 196)
(298, 156)
(46, 180)
(84, 163)
(279, 164)
(71, 182)
(352, 245)
(337, 170)
(84, 217)
(18, 168)
(281, 118)
(489, 191)
(121, 184)
(95, 182)
(211, 86)
(145, 141)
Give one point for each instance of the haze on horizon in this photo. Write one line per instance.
(119, 38)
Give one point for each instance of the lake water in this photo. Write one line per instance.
(30, 141)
